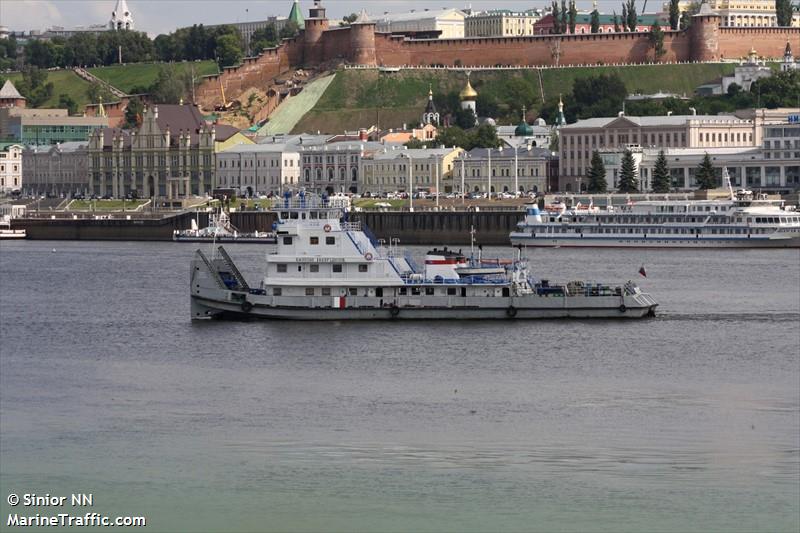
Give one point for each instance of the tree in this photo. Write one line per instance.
(485, 136)
(170, 86)
(657, 41)
(616, 22)
(783, 12)
(349, 19)
(414, 144)
(624, 17)
(661, 178)
(266, 37)
(564, 24)
(65, 101)
(453, 136)
(674, 14)
(705, 174)
(597, 175)
(734, 89)
(555, 12)
(632, 18)
(229, 50)
(289, 30)
(628, 183)
(133, 113)
(596, 96)
(595, 21)
(573, 15)
(97, 92)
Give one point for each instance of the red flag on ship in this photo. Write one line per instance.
(642, 271)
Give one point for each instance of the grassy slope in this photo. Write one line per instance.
(356, 98)
(126, 77)
(64, 82)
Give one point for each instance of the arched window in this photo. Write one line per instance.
(354, 173)
(342, 173)
(319, 174)
(568, 187)
(330, 174)
(307, 175)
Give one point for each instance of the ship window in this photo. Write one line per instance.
(337, 267)
(429, 291)
(314, 268)
(330, 240)
(362, 268)
(403, 291)
(326, 291)
(415, 291)
(314, 240)
(379, 292)
(277, 291)
(309, 291)
(451, 291)
(352, 291)
(287, 240)
(281, 267)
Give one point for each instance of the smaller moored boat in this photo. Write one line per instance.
(7, 233)
(220, 229)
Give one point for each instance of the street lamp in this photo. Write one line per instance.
(410, 182)
(516, 171)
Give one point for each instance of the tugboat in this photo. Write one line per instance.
(220, 229)
(328, 268)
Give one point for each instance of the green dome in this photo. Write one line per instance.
(523, 130)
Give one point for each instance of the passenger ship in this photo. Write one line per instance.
(742, 221)
(326, 268)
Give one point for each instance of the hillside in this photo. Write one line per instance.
(64, 82)
(359, 98)
(128, 77)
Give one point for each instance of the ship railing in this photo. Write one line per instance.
(351, 226)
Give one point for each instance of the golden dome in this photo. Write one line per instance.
(468, 93)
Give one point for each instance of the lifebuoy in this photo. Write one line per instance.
(622, 308)
(247, 306)
(368, 256)
(394, 310)
(511, 312)
(327, 228)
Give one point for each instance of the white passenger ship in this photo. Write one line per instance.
(325, 268)
(742, 221)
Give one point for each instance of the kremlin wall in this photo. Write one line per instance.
(320, 46)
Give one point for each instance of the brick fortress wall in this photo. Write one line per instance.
(360, 44)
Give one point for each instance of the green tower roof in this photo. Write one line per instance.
(295, 15)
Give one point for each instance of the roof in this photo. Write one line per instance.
(672, 120)
(223, 132)
(509, 131)
(295, 15)
(363, 18)
(179, 117)
(497, 153)
(417, 15)
(9, 92)
(413, 153)
(259, 148)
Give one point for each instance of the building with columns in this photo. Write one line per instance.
(171, 155)
(759, 13)
(488, 170)
(501, 23)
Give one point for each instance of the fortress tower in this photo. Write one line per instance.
(362, 40)
(704, 35)
(316, 25)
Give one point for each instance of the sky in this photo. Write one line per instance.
(163, 16)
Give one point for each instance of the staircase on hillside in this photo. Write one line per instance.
(91, 78)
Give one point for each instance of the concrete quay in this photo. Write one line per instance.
(428, 227)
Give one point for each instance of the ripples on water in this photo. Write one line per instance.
(687, 422)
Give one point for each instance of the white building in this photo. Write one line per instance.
(258, 169)
(748, 13)
(751, 69)
(423, 23)
(121, 17)
(788, 62)
(10, 167)
(501, 23)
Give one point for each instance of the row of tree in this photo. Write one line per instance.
(483, 136)
(629, 182)
(221, 43)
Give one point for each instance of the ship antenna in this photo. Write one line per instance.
(472, 241)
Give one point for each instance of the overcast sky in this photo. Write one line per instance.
(163, 16)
